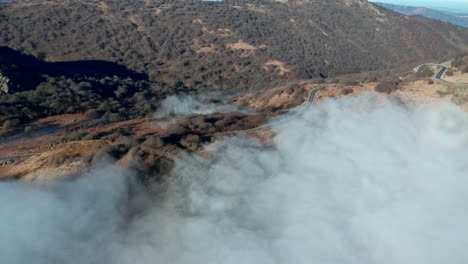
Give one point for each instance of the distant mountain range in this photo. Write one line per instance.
(459, 19)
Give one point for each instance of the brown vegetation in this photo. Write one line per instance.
(224, 45)
(426, 72)
(388, 86)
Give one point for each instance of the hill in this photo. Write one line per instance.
(454, 18)
(227, 46)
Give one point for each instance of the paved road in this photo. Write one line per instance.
(440, 74)
(252, 130)
(266, 127)
(18, 157)
(311, 99)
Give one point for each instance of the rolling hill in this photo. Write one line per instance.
(456, 19)
(231, 45)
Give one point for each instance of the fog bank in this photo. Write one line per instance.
(356, 180)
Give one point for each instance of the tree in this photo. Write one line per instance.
(10, 124)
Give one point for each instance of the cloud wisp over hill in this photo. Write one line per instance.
(357, 180)
(179, 106)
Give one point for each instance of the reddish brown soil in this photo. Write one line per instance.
(192, 134)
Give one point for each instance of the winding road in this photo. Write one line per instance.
(440, 74)
(311, 99)
(18, 157)
(6, 160)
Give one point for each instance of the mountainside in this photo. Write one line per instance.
(229, 45)
(456, 19)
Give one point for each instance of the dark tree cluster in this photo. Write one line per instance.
(388, 86)
(110, 98)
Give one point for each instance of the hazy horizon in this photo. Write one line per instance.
(453, 5)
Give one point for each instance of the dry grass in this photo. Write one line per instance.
(458, 77)
(240, 45)
(65, 159)
(277, 66)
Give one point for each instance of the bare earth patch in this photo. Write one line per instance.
(458, 77)
(282, 97)
(66, 159)
(161, 8)
(256, 8)
(72, 157)
(420, 92)
(220, 32)
(240, 45)
(203, 47)
(277, 66)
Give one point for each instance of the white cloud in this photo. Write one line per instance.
(358, 180)
(180, 106)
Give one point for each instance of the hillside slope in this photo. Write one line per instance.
(231, 45)
(456, 19)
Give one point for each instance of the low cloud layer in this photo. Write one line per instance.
(179, 106)
(357, 180)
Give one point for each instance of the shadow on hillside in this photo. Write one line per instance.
(26, 71)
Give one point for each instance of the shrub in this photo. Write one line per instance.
(458, 62)
(387, 86)
(351, 82)
(430, 82)
(449, 73)
(28, 129)
(92, 113)
(347, 91)
(426, 72)
(126, 141)
(154, 142)
(76, 135)
(465, 70)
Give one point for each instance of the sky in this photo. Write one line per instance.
(453, 5)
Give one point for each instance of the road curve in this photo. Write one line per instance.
(310, 100)
(440, 74)
(18, 157)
